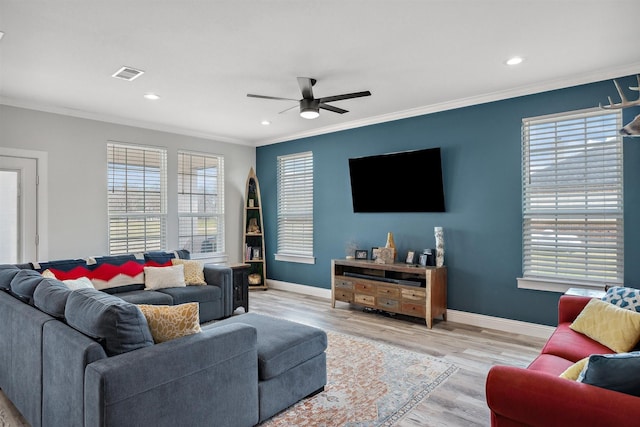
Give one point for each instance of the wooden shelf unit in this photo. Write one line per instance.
(427, 301)
(254, 239)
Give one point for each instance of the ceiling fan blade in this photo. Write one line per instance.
(332, 108)
(306, 84)
(345, 96)
(271, 97)
(288, 109)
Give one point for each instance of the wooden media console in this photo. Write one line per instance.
(397, 288)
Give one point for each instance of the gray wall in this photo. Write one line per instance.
(481, 160)
(77, 176)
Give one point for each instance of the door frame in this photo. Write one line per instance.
(42, 195)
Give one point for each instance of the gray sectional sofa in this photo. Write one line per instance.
(86, 357)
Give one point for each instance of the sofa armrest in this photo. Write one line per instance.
(519, 396)
(205, 378)
(222, 276)
(570, 306)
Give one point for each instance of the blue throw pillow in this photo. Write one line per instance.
(618, 372)
(7, 273)
(51, 297)
(24, 284)
(623, 297)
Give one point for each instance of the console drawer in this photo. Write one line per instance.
(418, 310)
(365, 287)
(343, 284)
(388, 304)
(418, 294)
(389, 291)
(343, 295)
(365, 299)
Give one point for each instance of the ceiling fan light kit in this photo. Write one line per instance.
(310, 106)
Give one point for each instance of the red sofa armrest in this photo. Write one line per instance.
(570, 306)
(519, 396)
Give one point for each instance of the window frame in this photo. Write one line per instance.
(219, 208)
(127, 244)
(292, 247)
(580, 194)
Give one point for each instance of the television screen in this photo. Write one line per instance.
(410, 181)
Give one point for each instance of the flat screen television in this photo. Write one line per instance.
(409, 181)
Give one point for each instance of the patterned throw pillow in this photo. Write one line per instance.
(168, 322)
(193, 271)
(573, 371)
(628, 298)
(610, 325)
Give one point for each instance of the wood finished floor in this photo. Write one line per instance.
(460, 401)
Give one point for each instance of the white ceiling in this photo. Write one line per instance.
(203, 57)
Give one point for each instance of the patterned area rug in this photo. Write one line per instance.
(369, 384)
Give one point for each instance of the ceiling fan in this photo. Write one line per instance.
(310, 106)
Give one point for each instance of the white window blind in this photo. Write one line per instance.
(295, 206)
(572, 198)
(201, 203)
(137, 204)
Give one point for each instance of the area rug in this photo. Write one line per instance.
(369, 384)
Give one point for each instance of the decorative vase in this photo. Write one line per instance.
(439, 234)
(391, 244)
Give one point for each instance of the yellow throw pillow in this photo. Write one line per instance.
(612, 326)
(193, 271)
(168, 322)
(573, 371)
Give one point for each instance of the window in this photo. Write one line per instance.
(572, 200)
(137, 203)
(295, 208)
(201, 203)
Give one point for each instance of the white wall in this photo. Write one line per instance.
(77, 176)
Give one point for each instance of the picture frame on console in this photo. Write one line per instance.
(410, 257)
(362, 254)
(373, 253)
(423, 260)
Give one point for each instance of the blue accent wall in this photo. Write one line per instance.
(481, 161)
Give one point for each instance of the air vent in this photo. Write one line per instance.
(127, 73)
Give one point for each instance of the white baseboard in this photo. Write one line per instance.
(480, 320)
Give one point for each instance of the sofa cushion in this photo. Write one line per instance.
(168, 322)
(618, 372)
(615, 327)
(146, 297)
(163, 277)
(193, 294)
(282, 344)
(118, 325)
(7, 273)
(622, 297)
(571, 345)
(550, 364)
(193, 271)
(24, 284)
(51, 297)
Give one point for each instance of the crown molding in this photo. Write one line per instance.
(47, 108)
(546, 86)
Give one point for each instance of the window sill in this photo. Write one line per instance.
(555, 285)
(296, 258)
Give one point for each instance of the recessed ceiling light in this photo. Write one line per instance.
(514, 60)
(151, 96)
(265, 122)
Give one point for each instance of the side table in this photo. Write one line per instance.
(240, 286)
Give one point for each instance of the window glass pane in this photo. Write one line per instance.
(201, 203)
(573, 198)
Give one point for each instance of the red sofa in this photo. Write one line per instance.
(537, 396)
